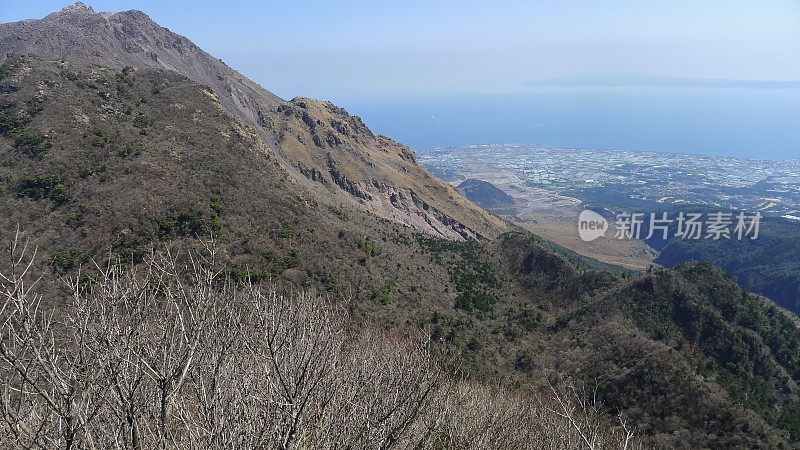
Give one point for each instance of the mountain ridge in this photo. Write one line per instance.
(307, 142)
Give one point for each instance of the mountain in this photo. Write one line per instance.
(132, 39)
(314, 141)
(98, 160)
(485, 194)
(685, 351)
(769, 265)
(103, 159)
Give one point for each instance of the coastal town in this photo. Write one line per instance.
(549, 178)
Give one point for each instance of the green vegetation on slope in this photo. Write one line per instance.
(485, 194)
(769, 265)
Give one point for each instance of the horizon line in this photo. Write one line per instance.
(659, 81)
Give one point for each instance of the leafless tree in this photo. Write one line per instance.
(172, 354)
(53, 388)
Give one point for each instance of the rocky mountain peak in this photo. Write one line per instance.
(79, 8)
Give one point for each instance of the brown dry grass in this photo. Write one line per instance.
(563, 231)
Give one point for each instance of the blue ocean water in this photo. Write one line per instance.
(755, 123)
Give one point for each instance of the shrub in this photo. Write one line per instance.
(43, 187)
(286, 231)
(65, 260)
(473, 277)
(10, 123)
(99, 139)
(32, 144)
(341, 214)
(130, 150)
(75, 218)
(371, 248)
(141, 121)
(189, 223)
(35, 106)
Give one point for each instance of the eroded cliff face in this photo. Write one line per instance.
(332, 148)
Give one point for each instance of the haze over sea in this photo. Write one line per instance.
(722, 77)
(752, 123)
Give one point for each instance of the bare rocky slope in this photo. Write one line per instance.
(317, 143)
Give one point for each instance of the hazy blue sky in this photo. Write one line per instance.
(703, 76)
(328, 48)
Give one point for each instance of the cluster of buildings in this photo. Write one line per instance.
(771, 187)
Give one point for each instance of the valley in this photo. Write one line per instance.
(551, 186)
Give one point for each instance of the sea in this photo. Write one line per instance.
(751, 123)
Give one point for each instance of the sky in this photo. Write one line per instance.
(357, 47)
(378, 55)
